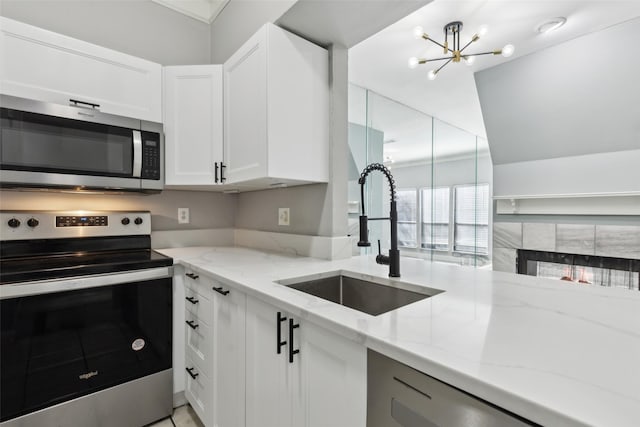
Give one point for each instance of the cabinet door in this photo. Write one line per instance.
(267, 399)
(46, 66)
(245, 111)
(229, 358)
(192, 124)
(334, 379)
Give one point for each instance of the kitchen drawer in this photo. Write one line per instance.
(198, 391)
(198, 304)
(198, 343)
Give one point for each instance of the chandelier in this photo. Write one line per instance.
(454, 53)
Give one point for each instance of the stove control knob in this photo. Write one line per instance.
(33, 223)
(138, 221)
(125, 221)
(14, 223)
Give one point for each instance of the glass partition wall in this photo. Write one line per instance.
(443, 178)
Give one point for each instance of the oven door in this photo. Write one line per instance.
(62, 345)
(45, 144)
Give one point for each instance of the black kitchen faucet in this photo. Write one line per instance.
(393, 259)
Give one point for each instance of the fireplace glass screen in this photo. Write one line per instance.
(582, 269)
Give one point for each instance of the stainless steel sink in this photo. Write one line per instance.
(366, 296)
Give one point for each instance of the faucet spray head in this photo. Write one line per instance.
(364, 232)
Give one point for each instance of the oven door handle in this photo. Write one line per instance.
(137, 154)
(14, 290)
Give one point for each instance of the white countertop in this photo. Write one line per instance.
(556, 353)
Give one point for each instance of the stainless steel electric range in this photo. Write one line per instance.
(85, 319)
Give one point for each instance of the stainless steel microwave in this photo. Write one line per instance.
(44, 145)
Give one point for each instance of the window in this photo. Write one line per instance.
(435, 218)
(471, 229)
(407, 218)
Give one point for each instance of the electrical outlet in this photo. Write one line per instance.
(283, 216)
(183, 215)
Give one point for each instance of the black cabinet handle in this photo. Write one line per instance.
(192, 276)
(291, 350)
(191, 374)
(222, 168)
(279, 343)
(192, 300)
(216, 164)
(192, 324)
(220, 290)
(76, 103)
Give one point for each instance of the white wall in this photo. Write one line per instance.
(137, 27)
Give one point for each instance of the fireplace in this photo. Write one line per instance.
(588, 270)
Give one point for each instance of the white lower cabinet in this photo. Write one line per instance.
(214, 350)
(317, 380)
(250, 363)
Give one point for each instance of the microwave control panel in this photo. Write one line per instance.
(150, 156)
(82, 221)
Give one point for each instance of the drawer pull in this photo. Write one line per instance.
(279, 343)
(221, 291)
(192, 276)
(85, 104)
(191, 374)
(192, 324)
(292, 326)
(192, 300)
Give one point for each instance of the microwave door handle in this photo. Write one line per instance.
(137, 154)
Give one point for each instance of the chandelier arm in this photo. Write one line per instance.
(442, 66)
(439, 44)
(466, 45)
(493, 52)
(437, 59)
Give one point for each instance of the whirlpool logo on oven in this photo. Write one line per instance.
(88, 375)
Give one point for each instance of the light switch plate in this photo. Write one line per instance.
(183, 215)
(283, 216)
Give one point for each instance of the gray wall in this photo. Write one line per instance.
(579, 97)
(238, 21)
(137, 27)
(207, 210)
(447, 173)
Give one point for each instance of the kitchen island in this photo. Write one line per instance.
(554, 353)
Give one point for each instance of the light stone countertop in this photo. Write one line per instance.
(556, 353)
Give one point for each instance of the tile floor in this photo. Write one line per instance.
(184, 416)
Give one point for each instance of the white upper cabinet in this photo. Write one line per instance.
(46, 66)
(276, 94)
(193, 125)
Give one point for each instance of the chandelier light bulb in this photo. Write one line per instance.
(413, 62)
(418, 32)
(507, 51)
(483, 30)
(469, 60)
(431, 75)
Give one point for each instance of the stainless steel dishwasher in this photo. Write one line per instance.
(398, 395)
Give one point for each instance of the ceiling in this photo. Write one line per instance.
(380, 62)
(202, 10)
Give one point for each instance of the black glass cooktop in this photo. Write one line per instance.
(46, 260)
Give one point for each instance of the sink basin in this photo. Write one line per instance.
(369, 297)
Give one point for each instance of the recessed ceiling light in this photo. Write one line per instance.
(551, 25)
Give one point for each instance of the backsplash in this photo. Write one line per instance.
(621, 241)
(207, 210)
